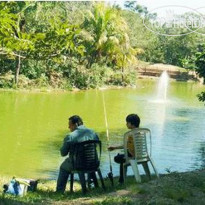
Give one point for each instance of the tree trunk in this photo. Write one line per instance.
(122, 69)
(17, 70)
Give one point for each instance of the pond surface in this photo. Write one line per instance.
(33, 125)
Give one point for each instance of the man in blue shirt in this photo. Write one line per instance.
(79, 133)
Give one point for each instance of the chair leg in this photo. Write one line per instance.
(101, 178)
(71, 182)
(82, 181)
(135, 169)
(146, 169)
(155, 170)
(95, 180)
(92, 177)
(125, 172)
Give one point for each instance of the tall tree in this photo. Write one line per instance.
(17, 42)
(105, 34)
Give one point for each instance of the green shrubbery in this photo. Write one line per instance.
(93, 77)
(6, 80)
(62, 52)
(123, 79)
(99, 75)
(65, 78)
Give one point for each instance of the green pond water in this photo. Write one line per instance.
(33, 125)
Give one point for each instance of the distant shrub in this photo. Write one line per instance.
(55, 79)
(41, 82)
(67, 76)
(23, 81)
(123, 79)
(92, 77)
(65, 84)
(6, 80)
(98, 75)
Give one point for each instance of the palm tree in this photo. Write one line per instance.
(105, 35)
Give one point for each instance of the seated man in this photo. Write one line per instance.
(133, 121)
(79, 133)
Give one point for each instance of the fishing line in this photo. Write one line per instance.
(107, 133)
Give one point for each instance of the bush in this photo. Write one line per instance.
(23, 81)
(89, 77)
(65, 84)
(33, 69)
(6, 80)
(201, 96)
(67, 76)
(129, 78)
(55, 79)
(98, 75)
(41, 82)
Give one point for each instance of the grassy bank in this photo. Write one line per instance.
(173, 188)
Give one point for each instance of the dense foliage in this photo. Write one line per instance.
(200, 63)
(85, 44)
(64, 44)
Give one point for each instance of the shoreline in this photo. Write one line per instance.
(73, 90)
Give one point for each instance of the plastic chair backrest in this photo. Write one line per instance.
(139, 136)
(85, 157)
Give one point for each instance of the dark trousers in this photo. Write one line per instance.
(65, 169)
(63, 178)
(120, 159)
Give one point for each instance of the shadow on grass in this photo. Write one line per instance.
(9, 200)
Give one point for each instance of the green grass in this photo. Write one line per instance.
(172, 188)
(178, 194)
(46, 194)
(115, 201)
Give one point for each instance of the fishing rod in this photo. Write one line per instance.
(110, 174)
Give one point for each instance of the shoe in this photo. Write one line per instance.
(59, 192)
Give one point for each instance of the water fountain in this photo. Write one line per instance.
(161, 103)
(162, 87)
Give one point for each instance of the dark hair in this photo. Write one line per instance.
(133, 119)
(75, 119)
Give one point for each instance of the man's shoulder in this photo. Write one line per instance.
(91, 131)
(69, 137)
(87, 134)
(85, 129)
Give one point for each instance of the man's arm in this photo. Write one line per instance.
(111, 148)
(96, 136)
(64, 150)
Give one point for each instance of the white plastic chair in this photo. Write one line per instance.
(141, 154)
